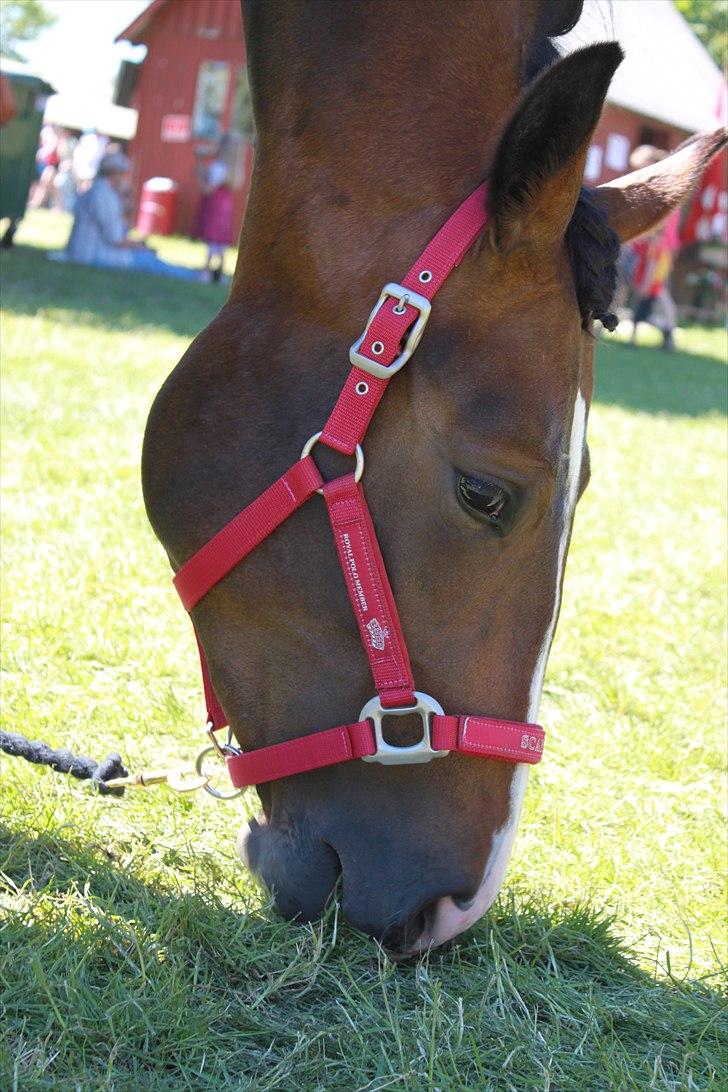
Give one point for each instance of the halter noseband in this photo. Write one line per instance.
(392, 334)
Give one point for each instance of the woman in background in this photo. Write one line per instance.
(214, 217)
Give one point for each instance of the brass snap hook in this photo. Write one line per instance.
(178, 780)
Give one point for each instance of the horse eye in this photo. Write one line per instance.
(482, 498)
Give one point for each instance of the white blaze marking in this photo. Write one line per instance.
(576, 451)
(449, 920)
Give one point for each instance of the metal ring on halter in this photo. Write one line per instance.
(221, 752)
(358, 468)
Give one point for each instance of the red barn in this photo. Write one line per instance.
(191, 87)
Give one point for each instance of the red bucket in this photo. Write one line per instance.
(157, 206)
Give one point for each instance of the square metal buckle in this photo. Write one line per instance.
(404, 296)
(387, 753)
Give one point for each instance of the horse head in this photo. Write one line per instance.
(374, 121)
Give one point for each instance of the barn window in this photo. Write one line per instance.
(593, 168)
(241, 120)
(213, 79)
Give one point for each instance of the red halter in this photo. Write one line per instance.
(392, 334)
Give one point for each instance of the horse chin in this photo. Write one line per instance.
(250, 831)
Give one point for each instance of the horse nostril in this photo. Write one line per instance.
(300, 872)
(399, 939)
(464, 902)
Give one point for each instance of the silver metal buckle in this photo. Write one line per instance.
(402, 295)
(390, 755)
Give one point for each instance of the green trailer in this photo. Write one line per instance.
(19, 143)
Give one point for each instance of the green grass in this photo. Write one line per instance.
(136, 953)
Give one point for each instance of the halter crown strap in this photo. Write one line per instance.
(392, 334)
(393, 317)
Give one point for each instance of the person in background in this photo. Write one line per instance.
(655, 256)
(8, 111)
(125, 189)
(64, 188)
(47, 159)
(99, 233)
(214, 216)
(86, 158)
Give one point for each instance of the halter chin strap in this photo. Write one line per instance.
(392, 334)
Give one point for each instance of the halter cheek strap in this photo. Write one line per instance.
(392, 334)
(369, 591)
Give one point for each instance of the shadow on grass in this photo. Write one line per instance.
(654, 381)
(574, 940)
(115, 981)
(125, 979)
(111, 299)
(50, 866)
(644, 379)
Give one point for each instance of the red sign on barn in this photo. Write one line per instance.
(708, 219)
(176, 128)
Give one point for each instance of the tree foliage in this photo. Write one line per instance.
(709, 20)
(21, 21)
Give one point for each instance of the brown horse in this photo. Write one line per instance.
(374, 120)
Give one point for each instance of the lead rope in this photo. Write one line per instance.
(64, 761)
(111, 776)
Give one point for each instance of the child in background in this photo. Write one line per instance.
(213, 220)
(655, 257)
(655, 254)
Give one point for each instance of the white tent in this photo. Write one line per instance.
(74, 112)
(667, 73)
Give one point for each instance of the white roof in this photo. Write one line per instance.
(667, 73)
(74, 112)
(19, 68)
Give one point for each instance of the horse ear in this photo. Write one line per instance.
(636, 202)
(539, 164)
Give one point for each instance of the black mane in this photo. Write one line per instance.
(593, 248)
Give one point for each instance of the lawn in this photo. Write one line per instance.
(136, 953)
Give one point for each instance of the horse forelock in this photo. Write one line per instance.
(593, 248)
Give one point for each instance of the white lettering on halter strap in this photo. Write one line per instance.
(354, 572)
